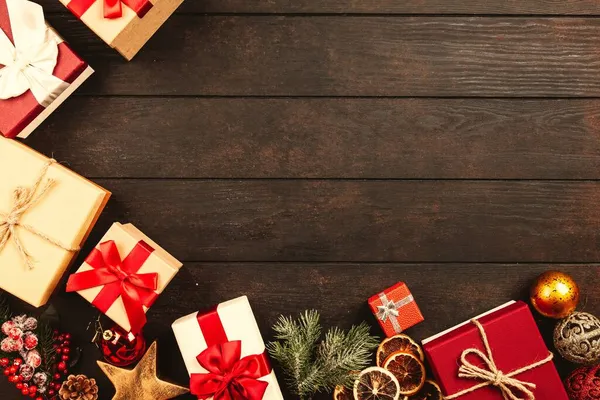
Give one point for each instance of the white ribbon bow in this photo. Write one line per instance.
(387, 310)
(30, 62)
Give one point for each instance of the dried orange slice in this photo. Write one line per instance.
(342, 393)
(408, 369)
(376, 383)
(397, 343)
(429, 391)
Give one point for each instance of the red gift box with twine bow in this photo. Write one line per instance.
(395, 309)
(495, 356)
(55, 70)
(124, 275)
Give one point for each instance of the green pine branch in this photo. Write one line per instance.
(310, 365)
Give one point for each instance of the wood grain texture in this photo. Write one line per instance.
(447, 298)
(365, 56)
(543, 7)
(326, 138)
(320, 220)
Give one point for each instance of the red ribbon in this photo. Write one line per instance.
(113, 9)
(229, 376)
(119, 278)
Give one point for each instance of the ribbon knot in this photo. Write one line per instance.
(23, 200)
(387, 310)
(510, 387)
(230, 377)
(29, 63)
(119, 278)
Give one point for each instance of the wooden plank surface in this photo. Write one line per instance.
(423, 7)
(331, 220)
(327, 138)
(352, 56)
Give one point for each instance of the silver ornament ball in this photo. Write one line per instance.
(577, 338)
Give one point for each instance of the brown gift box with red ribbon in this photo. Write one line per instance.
(224, 352)
(124, 275)
(125, 25)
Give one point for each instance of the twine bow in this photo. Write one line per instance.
(386, 310)
(23, 199)
(510, 386)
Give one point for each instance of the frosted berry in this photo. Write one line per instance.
(26, 371)
(33, 358)
(30, 341)
(7, 326)
(19, 320)
(40, 379)
(30, 324)
(15, 333)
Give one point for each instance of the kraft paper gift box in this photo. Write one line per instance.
(124, 275)
(395, 309)
(125, 25)
(503, 344)
(41, 230)
(219, 332)
(38, 70)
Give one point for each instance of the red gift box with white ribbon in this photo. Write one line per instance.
(38, 70)
(226, 341)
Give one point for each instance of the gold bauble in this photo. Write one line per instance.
(141, 383)
(554, 294)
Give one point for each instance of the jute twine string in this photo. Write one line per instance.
(510, 387)
(23, 199)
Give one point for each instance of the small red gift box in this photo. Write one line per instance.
(395, 309)
(495, 355)
(51, 71)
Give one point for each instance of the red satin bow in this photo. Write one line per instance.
(230, 377)
(119, 278)
(112, 8)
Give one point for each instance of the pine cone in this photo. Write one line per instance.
(78, 387)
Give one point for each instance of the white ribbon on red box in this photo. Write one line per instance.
(29, 63)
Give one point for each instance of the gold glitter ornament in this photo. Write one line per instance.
(141, 383)
(554, 294)
(577, 338)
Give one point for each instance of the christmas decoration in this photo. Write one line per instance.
(224, 352)
(395, 309)
(46, 212)
(408, 369)
(38, 70)
(121, 348)
(429, 391)
(125, 25)
(554, 294)
(342, 393)
(500, 352)
(312, 365)
(584, 383)
(376, 383)
(124, 275)
(577, 338)
(401, 342)
(78, 387)
(141, 383)
(32, 356)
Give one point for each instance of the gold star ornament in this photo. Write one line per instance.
(141, 383)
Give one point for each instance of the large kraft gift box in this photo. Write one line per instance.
(125, 25)
(222, 339)
(54, 71)
(124, 275)
(46, 213)
(501, 350)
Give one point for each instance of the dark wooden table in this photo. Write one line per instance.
(309, 153)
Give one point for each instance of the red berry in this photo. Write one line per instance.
(18, 361)
(32, 389)
(13, 379)
(4, 362)
(57, 376)
(26, 385)
(59, 350)
(20, 378)
(61, 337)
(13, 369)
(51, 392)
(32, 395)
(66, 350)
(19, 385)
(39, 398)
(25, 391)
(62, 366)
(7, 371)
(65, 357)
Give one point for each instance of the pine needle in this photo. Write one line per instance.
(311, 366)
